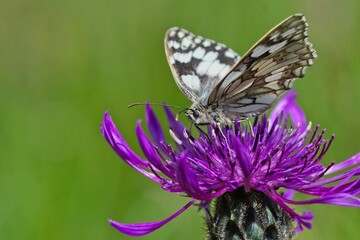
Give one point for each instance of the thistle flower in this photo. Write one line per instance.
(252, 176)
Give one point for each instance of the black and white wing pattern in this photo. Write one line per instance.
(197, 64)
(266, 71)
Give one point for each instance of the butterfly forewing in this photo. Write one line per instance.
(222, 86)
(197, 64)
(266, 71)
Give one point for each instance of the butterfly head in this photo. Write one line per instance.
(193, 114)
(197, 114)
(201, 115)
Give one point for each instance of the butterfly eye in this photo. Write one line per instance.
(196, 113)
(193, 114)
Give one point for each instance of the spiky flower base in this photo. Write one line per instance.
(240, 215)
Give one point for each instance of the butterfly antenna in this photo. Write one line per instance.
(153, 104)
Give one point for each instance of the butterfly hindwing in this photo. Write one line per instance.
(267, 70)
(197, 64)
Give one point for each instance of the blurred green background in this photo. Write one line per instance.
(63, 63)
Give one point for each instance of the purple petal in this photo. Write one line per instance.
(190, 183)
(289, 194)
(351, 162)
(187, 178)
(243, 160)
(154, 126)
(150, 152)
(176, 126)
(141, 229)
(288, 106)
(117, 142)
(304, 219)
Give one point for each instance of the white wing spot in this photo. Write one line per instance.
(203, 67)
(272, 85)
(279, 70)
(230, 54)
(199, 53)
(277, 46)
(215, 68)
(274, 77)
(183, 57)
(197, 40)
(206, 43)
(231, 77)
(174, 44)
(172, 33)
(218, 47)
(224, 71)
(288, 32)
(181, 34)
(245, 101)
(185, 43)
(192, 81)
(210, 56)
(267, 99)
(248, 109)
(259, 50)
(275, 35)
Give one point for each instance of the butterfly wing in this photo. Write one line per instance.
(197, 64)
(267, 70)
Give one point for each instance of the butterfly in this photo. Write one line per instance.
(223, 86)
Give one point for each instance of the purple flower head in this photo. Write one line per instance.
(278, 156)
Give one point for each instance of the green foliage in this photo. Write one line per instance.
(63, 63)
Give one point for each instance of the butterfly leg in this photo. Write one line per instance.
(251, 127)
(223, 135)
(202, 131)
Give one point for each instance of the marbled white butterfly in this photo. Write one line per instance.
(223, 86)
